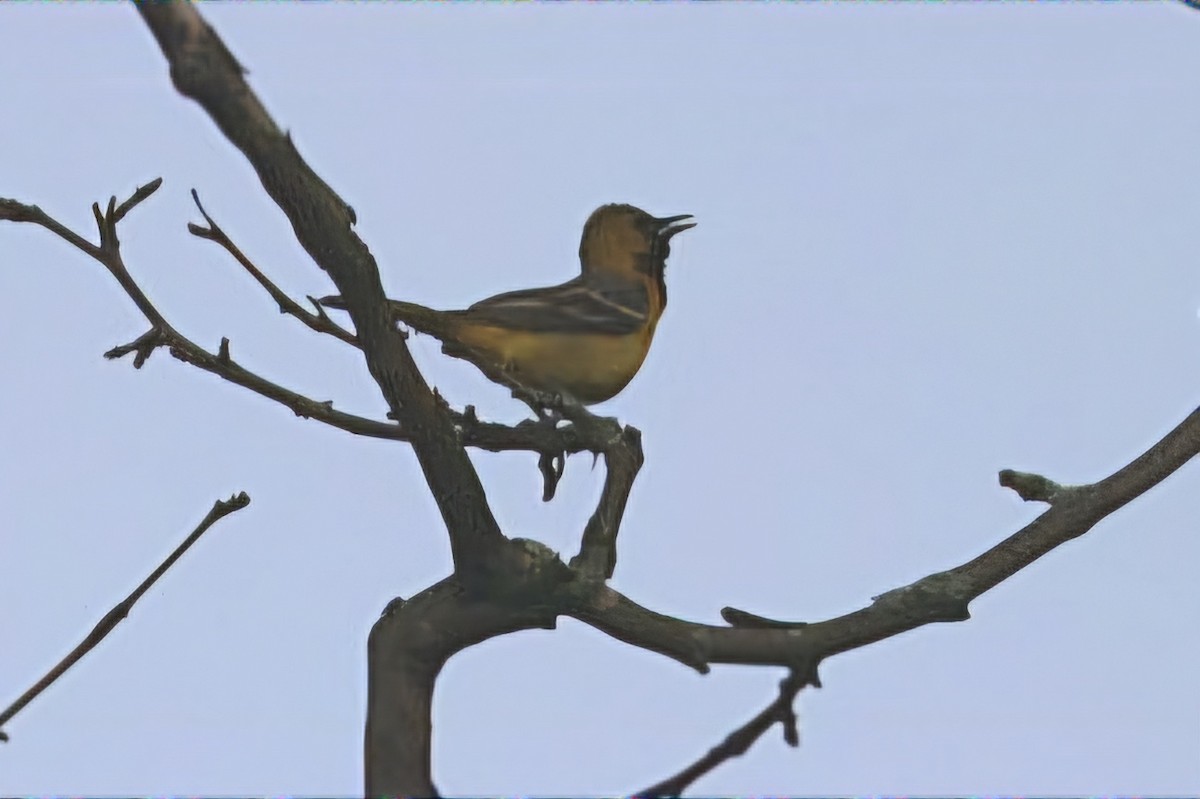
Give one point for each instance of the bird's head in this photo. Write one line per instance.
(617, 238)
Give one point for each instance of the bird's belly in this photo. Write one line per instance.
(591, 368)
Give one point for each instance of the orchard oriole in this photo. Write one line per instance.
(585, 338)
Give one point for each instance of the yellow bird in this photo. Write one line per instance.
(585, 338)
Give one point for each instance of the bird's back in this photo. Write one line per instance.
(582, 305)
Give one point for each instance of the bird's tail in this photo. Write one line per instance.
(421, 319)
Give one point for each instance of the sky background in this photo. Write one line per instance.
(933, 242)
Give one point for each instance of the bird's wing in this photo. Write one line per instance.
(573, 307)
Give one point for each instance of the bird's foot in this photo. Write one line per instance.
(547, 406)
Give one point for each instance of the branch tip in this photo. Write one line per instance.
(143, 347)
(121, 610)
(99, 217)
(791, 731)
(317, 307)
(139, 194)
(203, 213)
(1031, 487)
(235, 503)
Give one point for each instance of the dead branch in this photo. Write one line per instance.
(203, 69)
(318, 321)
(940, 597)
(738, 742)
(220, 510)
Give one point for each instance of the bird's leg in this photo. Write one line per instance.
(546, 406)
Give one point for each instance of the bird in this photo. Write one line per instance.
(581, 340)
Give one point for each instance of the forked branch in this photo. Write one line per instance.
(318, 321)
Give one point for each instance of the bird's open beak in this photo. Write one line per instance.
(668, 227)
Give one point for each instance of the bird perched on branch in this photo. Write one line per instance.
(584, 339)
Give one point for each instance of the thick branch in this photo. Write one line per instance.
(940, 597)
(204, 70)
(413, 640)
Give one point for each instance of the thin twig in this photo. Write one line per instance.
(14, 211)
(220, 510)
(318, 321)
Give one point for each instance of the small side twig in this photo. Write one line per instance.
(318, 321)
(220, 510)
(1032, 487)
(741, 618)
(139, 194)
(143, 347)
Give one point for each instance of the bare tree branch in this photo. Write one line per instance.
(204, 70)
(738, 742)
(318, 321)
(220, 510)
(403, 670)
(407, 648)
(940, 597)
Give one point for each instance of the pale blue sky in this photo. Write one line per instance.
(933, 242)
